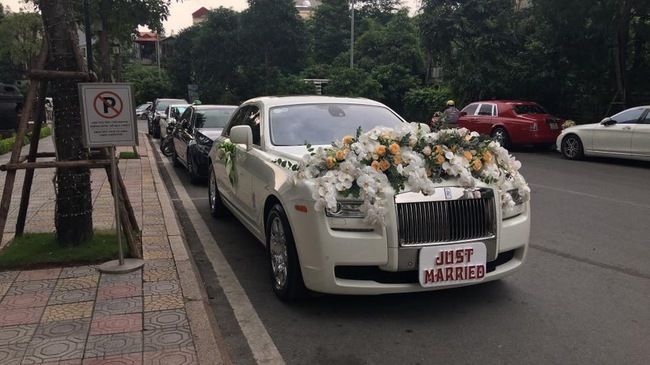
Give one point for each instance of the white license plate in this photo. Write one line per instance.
(452, 264)
(553, 125)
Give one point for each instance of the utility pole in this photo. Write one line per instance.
(352, 36)
(158, 53)
(89, 37)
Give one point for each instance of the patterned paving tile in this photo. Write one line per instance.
(61, 312)
(161, 287)
(116, 324)
(127, 359)
(107, 307)
(4, 287)
(64, 362)
(39, 274)
(155, 240)
(166, 338)
(75, 329)
(163, 302)
(82, 282)
(162, 263)
(119, 290)
(10, 317)
(72, 296)
(181, 356)
(34, 286)
(17, 334)
(24, 301)
(78, 271)
(135, 277)
(43, 349)
(160, 274)
(165, 319)
(113, 344)
(12, 354)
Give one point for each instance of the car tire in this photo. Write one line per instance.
(149, 131)
(194, 177)
(284, 265)
(156, 130)
(501, 135)
(572, 147)
(175, 161)
(217, 208)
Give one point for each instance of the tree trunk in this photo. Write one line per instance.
(73, 221)
(104, 42)
(620, 51)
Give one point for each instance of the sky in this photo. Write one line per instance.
(181, 12)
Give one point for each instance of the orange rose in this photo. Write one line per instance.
(384, 165)
(348, 139)
(340, 155)
(437, 150)
(381, 150)
(440, 159)
(477, 164)
(428, 171)
(375, 164)
(394, 148)
(487, 156)
(468, 155)
(397, 159)
(330, 162)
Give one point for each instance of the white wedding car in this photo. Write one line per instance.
(428, 242)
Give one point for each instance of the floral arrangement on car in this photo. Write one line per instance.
(568, 123)
(226, 151)
(409, 157)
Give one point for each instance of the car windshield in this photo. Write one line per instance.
(163, 104)
(528, 109)
(213, 118)
(318, 124)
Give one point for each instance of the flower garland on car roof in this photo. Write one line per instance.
(407, 158)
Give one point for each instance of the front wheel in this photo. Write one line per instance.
(284, 266)
(166, 146)
(500, 135)
(572, 147)
(194, 176)
(217, 208)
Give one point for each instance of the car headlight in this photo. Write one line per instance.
(201, 139)
(511, 211)
(347, 209)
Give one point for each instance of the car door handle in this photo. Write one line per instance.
(627, 128)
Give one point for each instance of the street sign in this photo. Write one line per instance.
(108, 114)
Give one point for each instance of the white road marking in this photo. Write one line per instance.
(258, 338)
(591, 196)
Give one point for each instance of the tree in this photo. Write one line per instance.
(22, 35)
(330, 30)
(73, 219)
(147, 85)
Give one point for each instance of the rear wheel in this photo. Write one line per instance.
(500, 135)
(284, 266)
(217, 208)
(166, 146)
(194, 176)
(572, 147)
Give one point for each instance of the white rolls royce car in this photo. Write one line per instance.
(396, 209)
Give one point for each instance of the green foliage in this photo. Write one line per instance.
(22, 35)
(34, 250)
(147, 84)
(353, 82)
(128, 155)
(421, 103)
(7, 144)
(330, 29)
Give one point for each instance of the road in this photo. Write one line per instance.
(582, 297)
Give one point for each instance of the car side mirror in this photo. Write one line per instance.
(185, 123)
(607, 121)
(242, 134)
(462, 114)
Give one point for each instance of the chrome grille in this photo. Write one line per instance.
(433, 221)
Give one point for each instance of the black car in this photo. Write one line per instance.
(199, 126)
(157, 110)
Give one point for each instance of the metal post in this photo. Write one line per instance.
(158, 53)
(116, 203)
(89, 38)
(352, 37)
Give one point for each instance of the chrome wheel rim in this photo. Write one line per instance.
(212, 190)
(278, 250)
(499, 136)
(571, 147)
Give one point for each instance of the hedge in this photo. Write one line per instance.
(8, 143)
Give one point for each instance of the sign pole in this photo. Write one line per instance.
(116, 200)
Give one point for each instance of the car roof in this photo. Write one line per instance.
(272, 101)
(505, 102)
(213, 106)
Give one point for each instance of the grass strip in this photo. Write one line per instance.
(38, 250)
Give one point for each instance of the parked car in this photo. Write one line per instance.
(11, 107)
(338, 251)
(623, 135)
(142, 109)
(512, 122)
(158, 110)
(193, 138)
(173, 111)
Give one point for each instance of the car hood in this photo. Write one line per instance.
(295, 153)
(581, 127)
(211, 133)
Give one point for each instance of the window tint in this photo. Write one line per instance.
(470, 109)
(647, 118)
(320, 124)
(247, 115)
(212, 118)
(528, 109)
(186, 115)
(628, 116)
(486, 109)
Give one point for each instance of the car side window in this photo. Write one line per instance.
(254, 121)
(646, 120)
(485, 109)
(186, 115)
(237, 119)
(470, 109)
(629, 116)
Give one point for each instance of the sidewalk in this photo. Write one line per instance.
(77, 315)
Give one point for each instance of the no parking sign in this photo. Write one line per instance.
(108, 114)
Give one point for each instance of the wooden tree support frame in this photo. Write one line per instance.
(39, 79)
